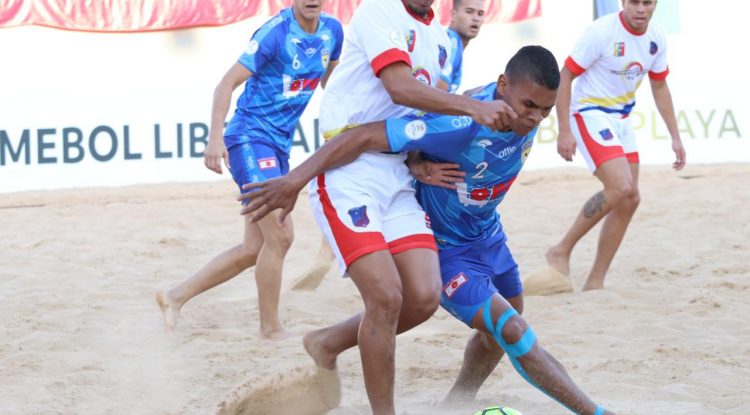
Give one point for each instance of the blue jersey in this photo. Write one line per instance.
(491, 160)
(451, 74)
(287, 64)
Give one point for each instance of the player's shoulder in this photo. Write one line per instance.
(656, 31)
(330, 21)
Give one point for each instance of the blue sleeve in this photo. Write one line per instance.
(261, 49)
(339, 32)
(440, 135)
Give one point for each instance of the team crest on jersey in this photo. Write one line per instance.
(421, 74)
(526, 150)
(619, 48)
(653, 48)
(632, 71)
(454, 284)
(442, 55)
(359, 216)
(606, 134)
(411, 39)
(252, 47)
(325, 57)
(416, 129)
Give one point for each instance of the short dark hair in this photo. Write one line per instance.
(536, 63)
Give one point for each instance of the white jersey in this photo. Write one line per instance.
(611, 62)
(381, 32)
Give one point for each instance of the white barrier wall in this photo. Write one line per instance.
(85, 109)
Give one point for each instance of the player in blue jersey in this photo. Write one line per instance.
(286, 59)
(478, 271)
(467, 17)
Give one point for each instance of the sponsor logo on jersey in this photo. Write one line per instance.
(442, 55)
(422, 75)
(267, 163)
(309, 52)
(631, 71)
(463, 121)
(454, 284)
(653, 48)
(411, 39)
(506, 152)
(415, 129)
(324, 37)
(295, 40)
(295, 86)
(479, 196)
(359, 216)
(606, 134)
(252, 47)
(619, 48)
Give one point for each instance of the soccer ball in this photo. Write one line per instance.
(498, 410)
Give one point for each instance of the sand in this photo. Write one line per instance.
(80, 332)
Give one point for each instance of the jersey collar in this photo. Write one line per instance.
(426, 20)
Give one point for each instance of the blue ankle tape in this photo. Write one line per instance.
(599, 410)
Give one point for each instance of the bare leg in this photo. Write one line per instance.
(616, 177)
(268, 273)
(313, 277)
(220, 269)
(612, 233)
(481, 356)
(419, 295)
(536, 365)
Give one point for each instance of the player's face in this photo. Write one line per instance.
(531, 102)
(469, 17)
(419, 7)
(637, 13)
(309, 9)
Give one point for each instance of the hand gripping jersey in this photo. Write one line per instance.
(491, 160)
(287, 64)
(611, 62)
(381, 33)
(451, 74)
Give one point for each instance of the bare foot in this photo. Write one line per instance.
(170, 310)
(597, 284)
(558, 260)
(276, 334)
(313, 342)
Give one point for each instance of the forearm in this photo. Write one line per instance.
(562, 104)
(219, 109)
(663, 100)
(415, 94)
(341, 150)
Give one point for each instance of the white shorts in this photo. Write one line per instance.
(368, 206)
(602, 137)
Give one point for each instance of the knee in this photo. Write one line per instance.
(424, 304)
(621, 192)
(249, 253)
(281, 241)
(633, 199)
(513, 330)
(384, 304)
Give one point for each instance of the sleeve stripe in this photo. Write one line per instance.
(388, 57)
(574, 67)
(659, 76)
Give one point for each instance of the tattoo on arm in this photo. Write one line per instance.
(593, 205)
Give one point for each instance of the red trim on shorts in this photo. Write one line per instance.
(658, 76)
(599, 153)
(421, 240)
(352, 245)
(389, 57)
(633, 158)
(574, 67)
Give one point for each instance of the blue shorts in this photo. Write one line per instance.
(472, 274)
(256, 162)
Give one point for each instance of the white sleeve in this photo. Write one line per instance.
(376, 26)
(589, 49)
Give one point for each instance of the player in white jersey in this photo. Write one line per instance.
(609, 62)
(393, 55)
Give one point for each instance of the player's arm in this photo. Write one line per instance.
(442, 85)
(282, 192)
(663, 100)
(405, 90)
(435, 174)
(215, 149)
(331, 66)
(566, 143)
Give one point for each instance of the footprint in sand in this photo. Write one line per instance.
(303, 391)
